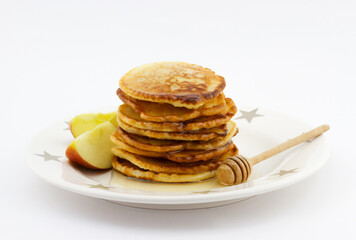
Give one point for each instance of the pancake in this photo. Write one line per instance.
(200, 135)
(130, 170)
(120, 144)
(163, 112)
(180, 156)
(127, 115)
(215, 142)
(198, 155)
(166, 166)
(177, 83)
(157, 145)
(145, 143)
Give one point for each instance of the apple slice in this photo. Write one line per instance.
(92, 149)
(86, 122)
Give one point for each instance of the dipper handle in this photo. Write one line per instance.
(289, 144)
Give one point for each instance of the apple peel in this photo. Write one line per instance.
(92, 149)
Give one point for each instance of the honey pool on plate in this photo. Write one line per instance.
(112, 179)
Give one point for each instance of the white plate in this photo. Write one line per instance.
(260, 129)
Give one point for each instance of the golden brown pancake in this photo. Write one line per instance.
(177, 83)
(134, 171)
(215, 142)
(180, 156)
(163, 112)
(127, 115)
(157, 145)
(120, 144)
(200, 135)
(198, 155)
(166, 166)
(130, 170)
(145, 143)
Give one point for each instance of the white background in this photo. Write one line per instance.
(62, 58)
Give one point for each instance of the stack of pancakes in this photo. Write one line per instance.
(174, 125)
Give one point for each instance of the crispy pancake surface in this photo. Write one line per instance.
(157, 145)
(177, 83)
(131, 170)
(198, 155)
(163, 112)
(127, 115)
(145, 143)
(166, 166)
(199, 135)
(180, 156)
(204, 171)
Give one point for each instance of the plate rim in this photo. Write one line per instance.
(213, 196)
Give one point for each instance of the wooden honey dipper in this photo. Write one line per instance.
(237, 169)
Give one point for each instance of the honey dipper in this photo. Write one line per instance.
(237, 169)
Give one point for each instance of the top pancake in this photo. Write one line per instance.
(177, 83)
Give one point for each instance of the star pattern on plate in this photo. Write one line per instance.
(249, 115)
(49, 157)
(285, 172)
(99, 186)
(68, 125)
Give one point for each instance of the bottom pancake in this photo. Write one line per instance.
(128, 169)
